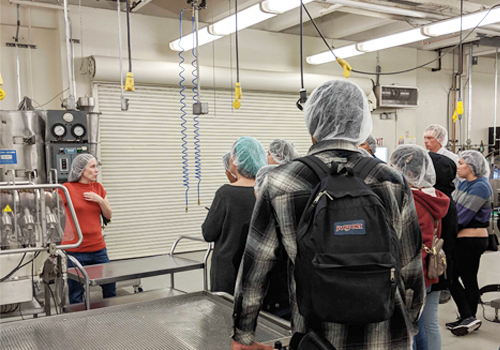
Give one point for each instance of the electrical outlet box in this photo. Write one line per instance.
(200, 108)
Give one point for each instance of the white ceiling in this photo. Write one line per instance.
(347, 23)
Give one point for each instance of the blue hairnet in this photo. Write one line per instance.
(262, 175)
(415, 164)
(283, 151)
(476, 162)
(338, 110)
(248, 156)
(78, 166)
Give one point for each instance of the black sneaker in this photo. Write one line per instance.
(451, 325)
(466, 326)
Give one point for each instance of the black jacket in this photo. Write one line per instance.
(446, 171)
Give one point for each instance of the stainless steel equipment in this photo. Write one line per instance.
(22, 138)
(196, 321)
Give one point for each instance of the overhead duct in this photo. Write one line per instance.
(167, 73)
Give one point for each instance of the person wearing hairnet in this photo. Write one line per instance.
(226, 160)
(281, 152)
(432, 206)
(370, 145)
(229, 216)
(338, 119)
(90, 202)
(473, 200)
(436, 139)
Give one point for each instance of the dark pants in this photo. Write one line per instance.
(468, 251)
(76, 289)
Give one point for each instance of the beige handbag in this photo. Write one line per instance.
(436, 258)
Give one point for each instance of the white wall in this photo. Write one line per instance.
(258, 50)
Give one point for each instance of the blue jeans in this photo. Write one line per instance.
(429, 337)
(75, 288)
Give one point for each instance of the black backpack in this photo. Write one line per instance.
(347, 265)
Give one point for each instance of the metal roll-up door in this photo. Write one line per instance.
(141, 155)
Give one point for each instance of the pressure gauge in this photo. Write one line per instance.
(68, 117)
(58, 130)
(78, 131)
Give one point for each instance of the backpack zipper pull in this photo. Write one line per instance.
(393, 275)
(318, 197)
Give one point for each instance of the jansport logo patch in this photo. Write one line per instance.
(355, 227)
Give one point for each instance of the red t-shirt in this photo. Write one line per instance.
(88, 214)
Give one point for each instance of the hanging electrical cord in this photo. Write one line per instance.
(459, 110)
(16, 39)
(185, 169)
(124, 101)
(303, 93)
(237, 88)
(444, 53)
(197, 153)
(129, 82)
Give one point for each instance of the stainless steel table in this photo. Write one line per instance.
(122, 270)
(196, 321)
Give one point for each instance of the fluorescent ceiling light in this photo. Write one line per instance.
(393, 40)
(246, 18)
(188, 41)
(281, 6)
(468, 22)
(325, 57)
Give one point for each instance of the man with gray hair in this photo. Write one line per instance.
(338, 120)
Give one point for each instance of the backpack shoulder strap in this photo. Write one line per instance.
(316, 165)
(364, 166)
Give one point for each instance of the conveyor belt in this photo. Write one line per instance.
(196, 321)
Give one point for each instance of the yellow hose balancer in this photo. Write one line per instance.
(129, 82)
(237, 96)
(2, 92)
(347, 67)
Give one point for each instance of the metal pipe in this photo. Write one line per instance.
(469, 116)
(72, 92)
(18, 69)
(71, 210)
(198, 79)
(80, 267)
(120, 53)
(496, 99)
(205, 259)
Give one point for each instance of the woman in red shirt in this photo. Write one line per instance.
(90, 201)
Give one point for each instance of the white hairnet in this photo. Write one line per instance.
(372, 143)
(283, 151)
(438, 132)
(338, 110)
(415, 164)
(248, 156)
(476, 162)
(262, 175)
(78, 166)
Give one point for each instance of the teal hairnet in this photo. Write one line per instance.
(262, 175)
(79, 164)
(476, 162)
(338, 110)
(248, 156)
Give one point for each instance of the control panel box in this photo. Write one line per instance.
(66, 138)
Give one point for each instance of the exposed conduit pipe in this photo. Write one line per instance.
(18, 69)
(496, 98)
(71, 101)
(469, 117)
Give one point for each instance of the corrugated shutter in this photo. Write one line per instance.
(142, 160)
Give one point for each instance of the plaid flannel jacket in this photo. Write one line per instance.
(274, 222)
